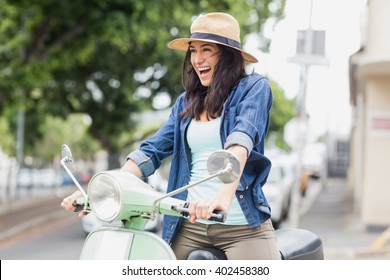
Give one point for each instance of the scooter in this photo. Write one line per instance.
(120, 196)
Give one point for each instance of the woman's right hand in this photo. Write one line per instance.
(68, 203)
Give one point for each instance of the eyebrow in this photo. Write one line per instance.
(203, 45)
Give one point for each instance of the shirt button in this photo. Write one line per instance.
(247, 187)
(241, 196)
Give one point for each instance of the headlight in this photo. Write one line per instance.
(104, 197)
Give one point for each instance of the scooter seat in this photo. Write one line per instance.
(211, 254)
(293, 244)
(299, 244)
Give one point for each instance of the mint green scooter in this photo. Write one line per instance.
(120, 196)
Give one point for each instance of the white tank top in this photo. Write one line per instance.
(203, 139)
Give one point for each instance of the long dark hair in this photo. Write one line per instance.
(228, 71)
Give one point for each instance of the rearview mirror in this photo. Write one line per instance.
(67, 157)
(67, 163)
(223, 159)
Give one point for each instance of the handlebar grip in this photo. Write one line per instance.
(79, 204)
(216, 216)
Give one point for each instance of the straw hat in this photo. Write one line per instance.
(219, 28)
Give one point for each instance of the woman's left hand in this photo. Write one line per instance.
(203, 209)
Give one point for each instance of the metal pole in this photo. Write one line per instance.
(20, 130)
(301, 127)
(19, 145)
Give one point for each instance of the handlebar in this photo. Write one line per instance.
(79, 203)
(216, 216)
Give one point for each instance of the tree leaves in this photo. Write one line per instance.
(84, 56)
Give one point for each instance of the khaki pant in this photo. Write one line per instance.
(237, 242)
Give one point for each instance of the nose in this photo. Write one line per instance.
(197, 57)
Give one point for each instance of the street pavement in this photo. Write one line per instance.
(331, 214)
(326, 210)
(31, 210)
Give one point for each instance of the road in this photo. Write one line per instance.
(58, 240)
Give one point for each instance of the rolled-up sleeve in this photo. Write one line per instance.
(239, 138)
(251, 114)
(143, 161)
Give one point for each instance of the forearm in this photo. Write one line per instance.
(132, 167)
(227, 191)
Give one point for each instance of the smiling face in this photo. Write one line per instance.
(204, 58)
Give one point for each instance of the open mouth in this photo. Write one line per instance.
(204, 70)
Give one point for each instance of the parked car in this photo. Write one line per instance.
(24, 179)
(29, 178)
(158, 182)
(279, 186)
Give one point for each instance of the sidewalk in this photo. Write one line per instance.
(332, 216)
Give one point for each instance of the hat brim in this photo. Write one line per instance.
(182, 44)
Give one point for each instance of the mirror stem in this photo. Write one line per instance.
(227, 169)
(63, 160)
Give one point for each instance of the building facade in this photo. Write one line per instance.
(369, 171)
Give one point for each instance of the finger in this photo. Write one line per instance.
(64, 204)
(205, 212)
(192, 219)
(67, 204)
(191, 208)
(202, 209)
(191, 212)
(199, 211)
(215, 205)
(209, 210)
(82, 214)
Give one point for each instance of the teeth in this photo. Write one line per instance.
(203, 68)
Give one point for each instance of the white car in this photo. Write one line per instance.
(278, 188)
(91, 222)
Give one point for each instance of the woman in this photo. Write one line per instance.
(221, 107)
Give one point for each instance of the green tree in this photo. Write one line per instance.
(107, 59)
(72, 131)
(7, 143)
(283, 110)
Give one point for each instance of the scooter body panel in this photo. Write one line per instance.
(111, 243)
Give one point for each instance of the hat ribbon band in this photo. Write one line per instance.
(214, 37)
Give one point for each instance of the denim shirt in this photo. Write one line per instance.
(245, 120)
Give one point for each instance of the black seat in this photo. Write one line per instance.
(299, 244)
(211, 254)
(293, 244)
